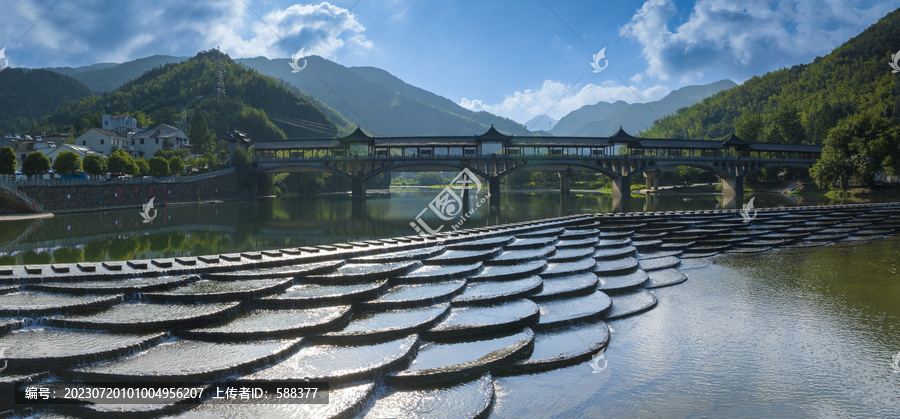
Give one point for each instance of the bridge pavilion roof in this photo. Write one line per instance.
(786, 148)
(679, 144)
(559, 142)
(425, 142)
(358, 136)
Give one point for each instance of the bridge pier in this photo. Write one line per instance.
(494, 186)
(733, 186)
(621, 187)
(358, 188)
(652, 180)
(564, 176)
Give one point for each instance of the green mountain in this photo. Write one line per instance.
(27, 95)
(106, 77)
(168, 93)
(802, 103)
(381, 103)
(602, 118)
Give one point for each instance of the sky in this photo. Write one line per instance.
(515, 58)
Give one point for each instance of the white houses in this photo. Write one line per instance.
(105, 142)
(120, 124)
(78, 149)
(161, 137)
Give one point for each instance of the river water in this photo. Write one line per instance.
(236, 226)
(784, 333)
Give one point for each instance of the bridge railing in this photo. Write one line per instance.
(616, 157)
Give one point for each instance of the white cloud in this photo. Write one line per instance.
(558, 99)
(744, 38)
(79, 33)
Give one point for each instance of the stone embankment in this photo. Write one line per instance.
(383, 322)
(57, 196)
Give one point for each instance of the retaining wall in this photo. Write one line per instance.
(75, 197)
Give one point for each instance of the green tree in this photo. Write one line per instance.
(176, 165)
(208, 159)
(67, 163)
(8, 161)
(94, 165)
(749, 126)
(35, 164)
(241, 157)
(200, 135)
(120, 162)
(158, 166)
(785, 127)
(190, 164)
(858, 148)
(429, 178)
(143, 166)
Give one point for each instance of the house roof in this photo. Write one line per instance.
(160, 131)
(492, 134)
(108, 133)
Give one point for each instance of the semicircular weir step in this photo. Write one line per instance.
(147, 317)
(265, 324)
(656, 264)
(310, 295)
(482, 244)
(568, 268)
(384, 325)
(290, 271)
(615, 252)
(415, 295)
(466, 321)
(188, 360)
(472, 399)
(631, 303)
(566, 286)
(494, 291)
(434, 273)
(342, 402)
(210, 291)
(571, 254)
(341, 364)
(454, 362)
(42, 349)
(509, 272)
(128, 286)
(567, 311)
(531, 243)
(462, 257)
(565, 243)
(514, 257)
(665, 277)
(561, 347)
(406, 255)
(616, 266)
(35, 304)
(361, 272)
(624, 282)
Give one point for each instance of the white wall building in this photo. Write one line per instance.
(105, 142)
(161, 137)
(120, 124)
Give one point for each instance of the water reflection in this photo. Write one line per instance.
(235, 226)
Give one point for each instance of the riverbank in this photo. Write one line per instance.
(25, 217)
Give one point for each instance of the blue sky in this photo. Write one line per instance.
(518, 59)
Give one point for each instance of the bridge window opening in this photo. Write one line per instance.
(426, 152)
(514, 151)
(555, 151)
(469, 151)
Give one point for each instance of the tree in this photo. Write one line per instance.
(35, 164)
(94, 165)
(143, 166)
(190, 164)
(785, 127)
(7, 161)
(200, 135)
(67, 163)
(208, 159)
(120, 162)
(749, 126)
(858, 148)
(176, 165)
(159, 166)
(241, 157)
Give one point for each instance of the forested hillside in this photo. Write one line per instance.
(260, 106)
(27, 95)
(802, 103)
